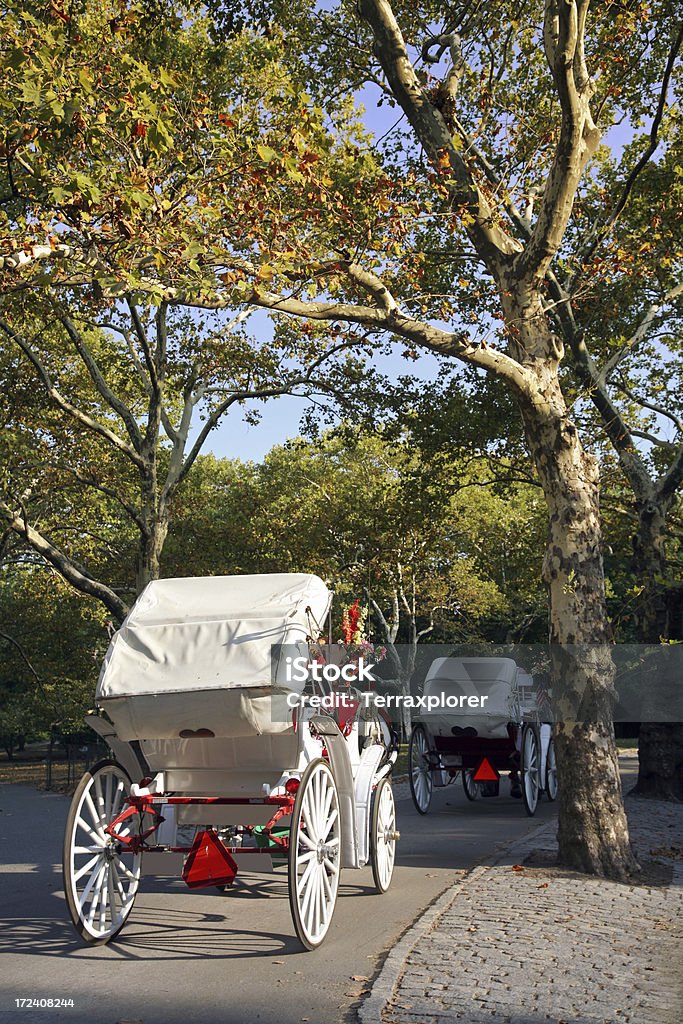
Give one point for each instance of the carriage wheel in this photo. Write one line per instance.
(421, 783)
(551, 771)
(472, 788)
(100, 876)
(383, 835)
(531, 769)
(314, 854)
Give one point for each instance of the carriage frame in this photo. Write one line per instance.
(324, 778)
(523, 746)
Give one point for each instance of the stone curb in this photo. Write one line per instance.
(384, 985)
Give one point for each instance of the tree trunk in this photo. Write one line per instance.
(660, 761)
(149, 553)
(154, 514)
(660, 744)
(593, 830)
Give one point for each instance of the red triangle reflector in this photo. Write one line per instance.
(208, 862)
(485, 772)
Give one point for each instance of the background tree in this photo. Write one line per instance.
(105, 149)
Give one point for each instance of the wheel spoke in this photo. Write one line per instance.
(96, 818)
(86, 867)
(302, 881)
(309, 816)
(107, 798)
(306, 840)
(92, 881)
(118, 798)
(126, 871)
(118, 883)
(306, 890)
(329, 823)
(99, 885)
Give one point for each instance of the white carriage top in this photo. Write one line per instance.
(187, 639)
(509, 694)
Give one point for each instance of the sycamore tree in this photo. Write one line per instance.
(279, 202)
(624, 326)
(519, 109)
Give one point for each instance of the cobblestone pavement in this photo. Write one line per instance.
(521, 944)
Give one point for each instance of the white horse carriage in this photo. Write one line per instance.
(210, 739)
(484, 716)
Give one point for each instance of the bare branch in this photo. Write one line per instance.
(600, 232)
(22, 258)
(669, 483)
(641, 332)
(440, 341)
(83, 418)
(119, 407)
(140, 370)
(563, 36)
(77, 577)
(144, 343)
(659, 442)
(489, 239)
(646, 403)
(110, 492)
(22, 654)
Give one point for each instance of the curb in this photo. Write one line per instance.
(370, 1010)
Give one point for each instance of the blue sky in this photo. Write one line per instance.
(235, 438)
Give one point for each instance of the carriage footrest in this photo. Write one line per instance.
(208, 862)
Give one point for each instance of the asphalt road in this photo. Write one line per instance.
(213, 958)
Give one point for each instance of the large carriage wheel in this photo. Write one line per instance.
(383, 834)
(531, 768)
(314, 854)
(472, 788)
(101, 876)
(551, 771)
(421, 782)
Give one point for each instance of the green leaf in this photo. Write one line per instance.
(266, 153)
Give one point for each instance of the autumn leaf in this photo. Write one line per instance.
(266, 153)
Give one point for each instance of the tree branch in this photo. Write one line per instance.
(119, 407)
(138, 326)
(440, 341)
(563, 31)
(640, 333)
(668, 484)
(600, 233)
(64, 404)
(489, 239)
(78, 578)
(22, 654)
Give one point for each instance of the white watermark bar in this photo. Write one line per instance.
(629, 682)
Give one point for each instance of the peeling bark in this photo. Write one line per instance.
(593, 830)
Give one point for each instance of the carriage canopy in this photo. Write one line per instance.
(187, 642)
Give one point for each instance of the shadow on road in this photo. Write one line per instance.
(157, 930)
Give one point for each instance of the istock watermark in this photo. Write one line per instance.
(385, 701)
(301, 669)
